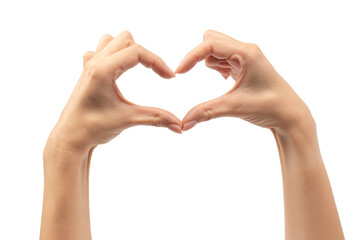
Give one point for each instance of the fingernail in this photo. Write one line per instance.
(189, 125)
(175, 128)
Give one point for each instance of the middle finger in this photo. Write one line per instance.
(123, 40)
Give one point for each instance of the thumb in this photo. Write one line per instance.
(157, 117)
(218, 107)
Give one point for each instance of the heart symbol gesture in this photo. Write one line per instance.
(97, 111)
(260, 95)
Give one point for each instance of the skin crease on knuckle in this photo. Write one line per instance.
(136, 50)
(156, 120)
(129, 40)
(207, 112)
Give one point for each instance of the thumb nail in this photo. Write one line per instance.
(175, 128)
(189, 125)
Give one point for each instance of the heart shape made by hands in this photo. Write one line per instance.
(197, 86)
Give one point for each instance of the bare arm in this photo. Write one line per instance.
(66, 194)
(95, 113)
(262, 97)
(310, 210)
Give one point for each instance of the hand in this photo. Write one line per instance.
(260, 95)
(96, 111)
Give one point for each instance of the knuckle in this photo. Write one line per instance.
(106, 36)
(137, 47)
(254, 46)
(207, 113)
(126, 34)
(87, 55)
(94, 70)
(212, 42)
(129, 42)
(156, 120)
(208, 33)
(255, 50)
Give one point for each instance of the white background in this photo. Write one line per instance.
(222, 179)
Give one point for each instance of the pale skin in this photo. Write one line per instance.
(97, 112)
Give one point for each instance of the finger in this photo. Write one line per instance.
(218, 107)
(129, 57)
(222, 66)
(225, 72)
(87, 56)
(208, 34)
(156, 117)
(215, 62)
(123, 40)
(217, 48)
(104, 41)
(225, 76)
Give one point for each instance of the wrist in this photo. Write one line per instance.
(301, 128)
(62, 151)
(64, 138)
(298, 144)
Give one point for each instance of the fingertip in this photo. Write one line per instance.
(187, 66)
(171, 121)
(190, 119)
(165, 72)
(188, 125)
(175, 128)
(225, 76)
(171, 74)
(168, 72)
(178, 69)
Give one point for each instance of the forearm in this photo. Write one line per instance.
(310, 210)
(66, 194)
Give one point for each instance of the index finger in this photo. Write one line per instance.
(129, 57)
(218, 48)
